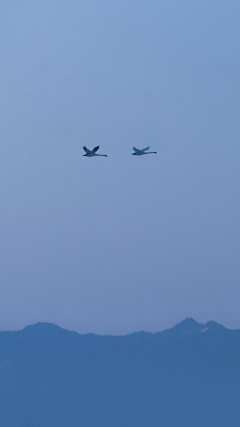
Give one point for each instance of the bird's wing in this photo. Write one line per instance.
(95, 149)
(87, 150)
(136, 150)
(145, 149)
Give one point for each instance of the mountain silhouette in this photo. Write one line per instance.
(188, 375)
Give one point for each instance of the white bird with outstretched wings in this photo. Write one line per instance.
(142, 151)
(93, 152)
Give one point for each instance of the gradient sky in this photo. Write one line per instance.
(125, 243)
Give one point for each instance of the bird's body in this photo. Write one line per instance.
(93, 152)
(143, 151)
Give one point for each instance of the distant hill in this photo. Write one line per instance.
(188, 375)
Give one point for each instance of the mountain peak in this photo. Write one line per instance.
(214, 325)
(187, 327)
(44, 328)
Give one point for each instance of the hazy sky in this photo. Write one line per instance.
(125, 243)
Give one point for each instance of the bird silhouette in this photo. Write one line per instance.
(142, 151)
(93, 152)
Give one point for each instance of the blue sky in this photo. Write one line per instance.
(119, 244)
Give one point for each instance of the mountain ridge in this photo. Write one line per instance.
(143, 378)
(188, 325)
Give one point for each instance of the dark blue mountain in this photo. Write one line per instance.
(188, 375)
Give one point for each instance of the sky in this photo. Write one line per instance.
(118, 244)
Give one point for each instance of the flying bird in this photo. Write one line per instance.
(143, 151)
(93, 152)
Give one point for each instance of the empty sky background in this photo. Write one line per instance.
(125, 243)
